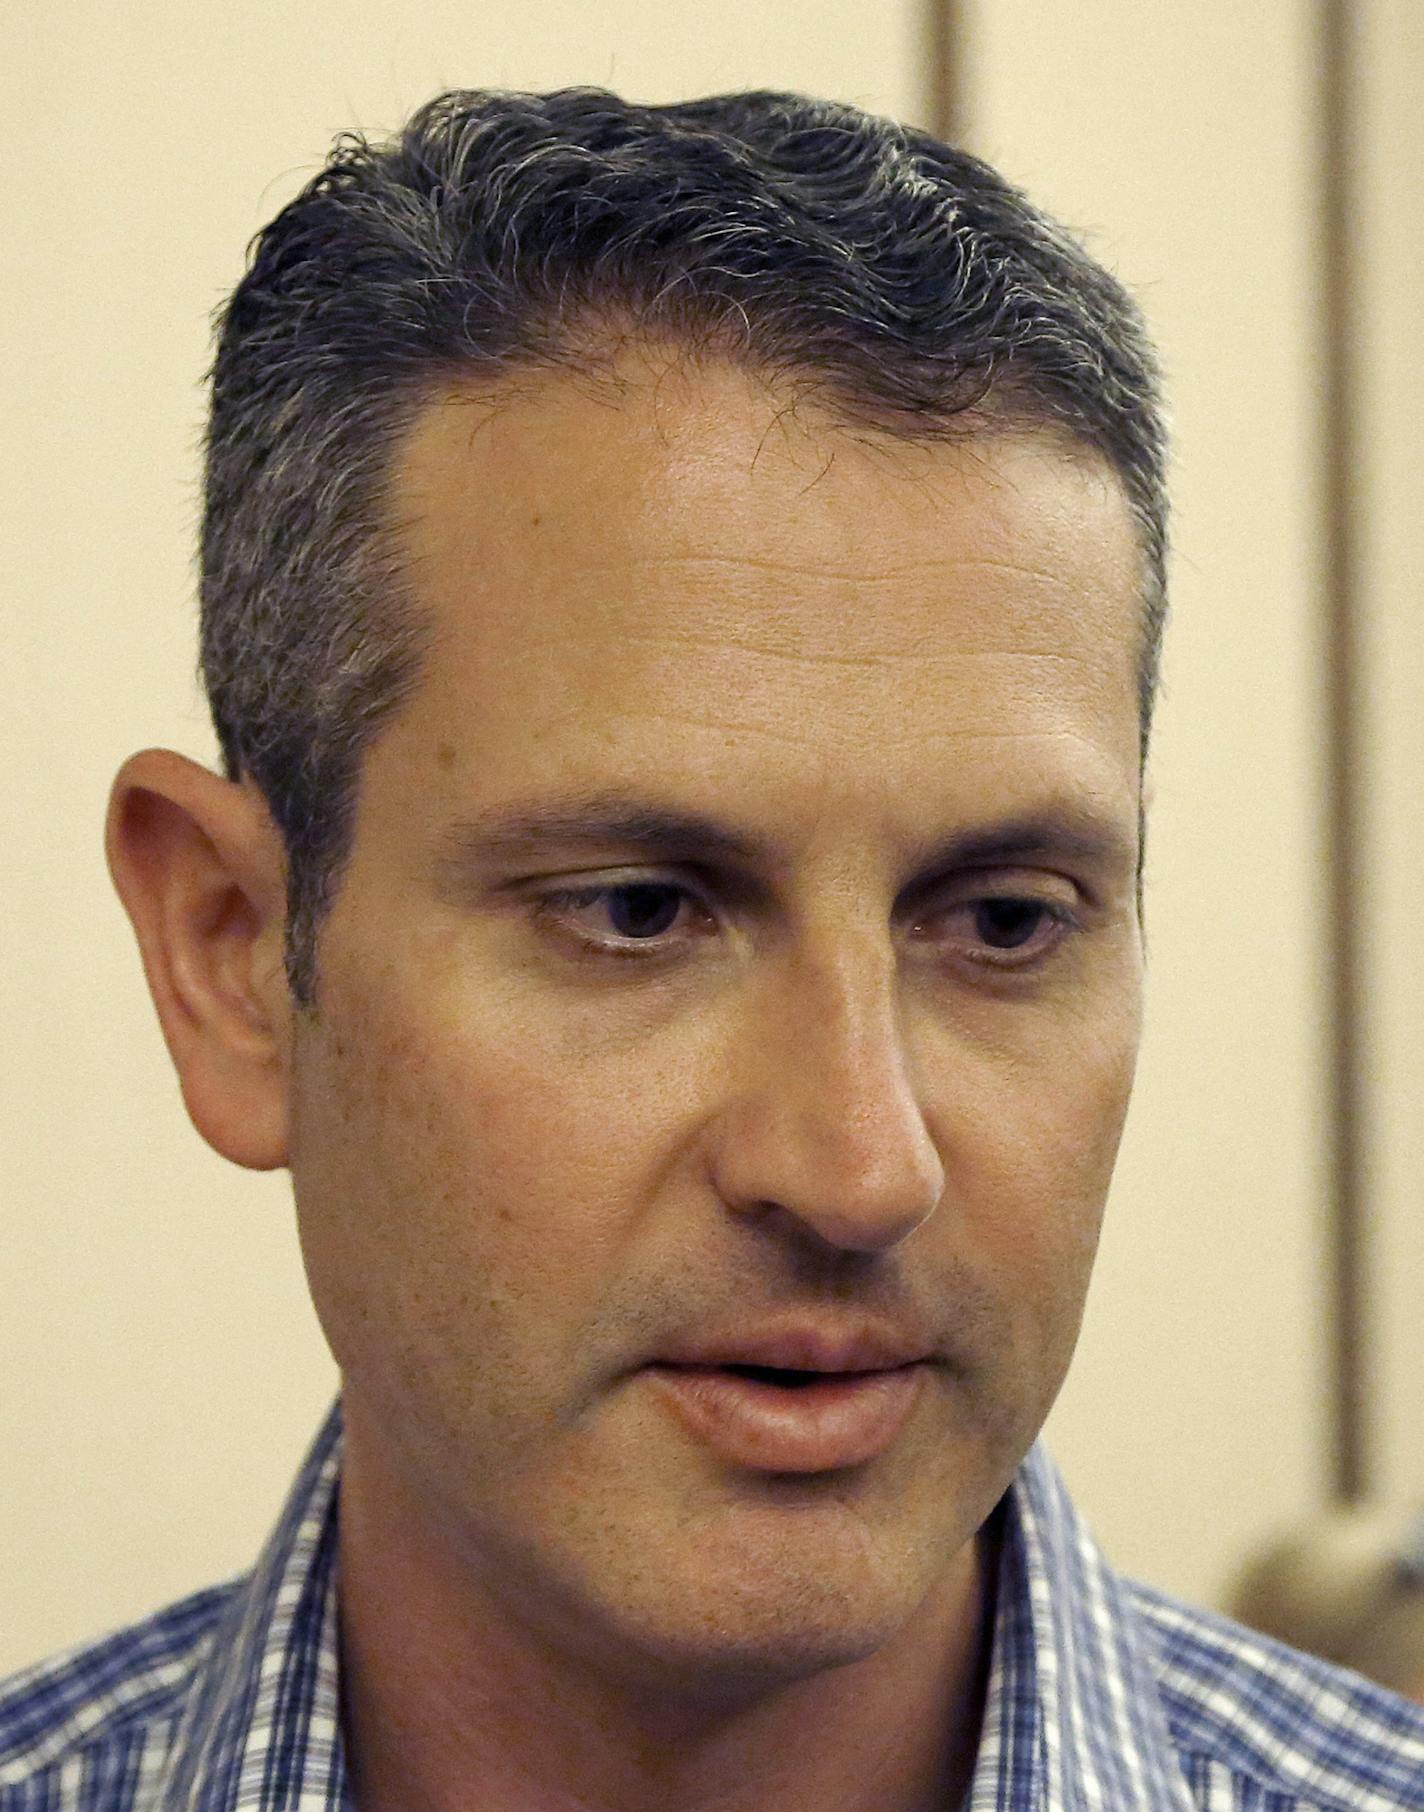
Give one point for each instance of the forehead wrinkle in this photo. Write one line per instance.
(773, 635)
(940, 733)
(733, 642)
(755, 618)
(919, 657)
(849, 570)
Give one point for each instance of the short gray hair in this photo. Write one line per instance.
(904, 280)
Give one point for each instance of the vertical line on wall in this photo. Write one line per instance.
(944, 65)
(1340, 439)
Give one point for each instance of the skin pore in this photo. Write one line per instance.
(739, 934)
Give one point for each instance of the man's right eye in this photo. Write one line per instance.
(626, 918)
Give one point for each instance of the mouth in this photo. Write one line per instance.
(787, 1377)
(790, 1419)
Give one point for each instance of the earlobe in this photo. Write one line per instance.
(199, 867)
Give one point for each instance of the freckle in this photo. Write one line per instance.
(535, 520)
(445, 755)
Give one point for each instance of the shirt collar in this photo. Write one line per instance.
(263, 1727)
(1072, 1719)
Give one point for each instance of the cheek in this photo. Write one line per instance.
(457, 1177)
(1034, 1174)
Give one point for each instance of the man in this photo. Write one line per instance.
(681, 598)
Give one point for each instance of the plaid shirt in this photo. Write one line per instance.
(1103, 1696)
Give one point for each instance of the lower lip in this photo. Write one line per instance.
(843, 1419)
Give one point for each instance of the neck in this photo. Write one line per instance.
(450, 1705)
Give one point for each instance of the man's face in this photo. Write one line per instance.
(737, 973)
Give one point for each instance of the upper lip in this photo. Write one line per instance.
(803, 1347)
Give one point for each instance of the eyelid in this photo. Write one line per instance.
(1054, 891)
(1007, 881)
(587, 884)
(580, 891)
(1061, 922)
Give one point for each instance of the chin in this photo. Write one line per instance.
(733, 1657)
(732, 1616)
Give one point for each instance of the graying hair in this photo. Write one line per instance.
(907, 282)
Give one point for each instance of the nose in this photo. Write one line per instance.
(825, 1124)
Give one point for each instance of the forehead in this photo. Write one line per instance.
(683, 565)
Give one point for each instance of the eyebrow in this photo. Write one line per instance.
(599, 823)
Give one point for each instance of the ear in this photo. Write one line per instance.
(200, 868)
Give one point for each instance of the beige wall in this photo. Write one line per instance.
(1391, 64)
(159, 1368)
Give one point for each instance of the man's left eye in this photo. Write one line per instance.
(1004, 929)
(1009, 924)
(642, 909)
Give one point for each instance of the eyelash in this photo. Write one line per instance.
(554, 905)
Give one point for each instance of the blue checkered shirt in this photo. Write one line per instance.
(1103, 1696)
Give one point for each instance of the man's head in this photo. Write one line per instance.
(728, 1003)
(853, 260)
